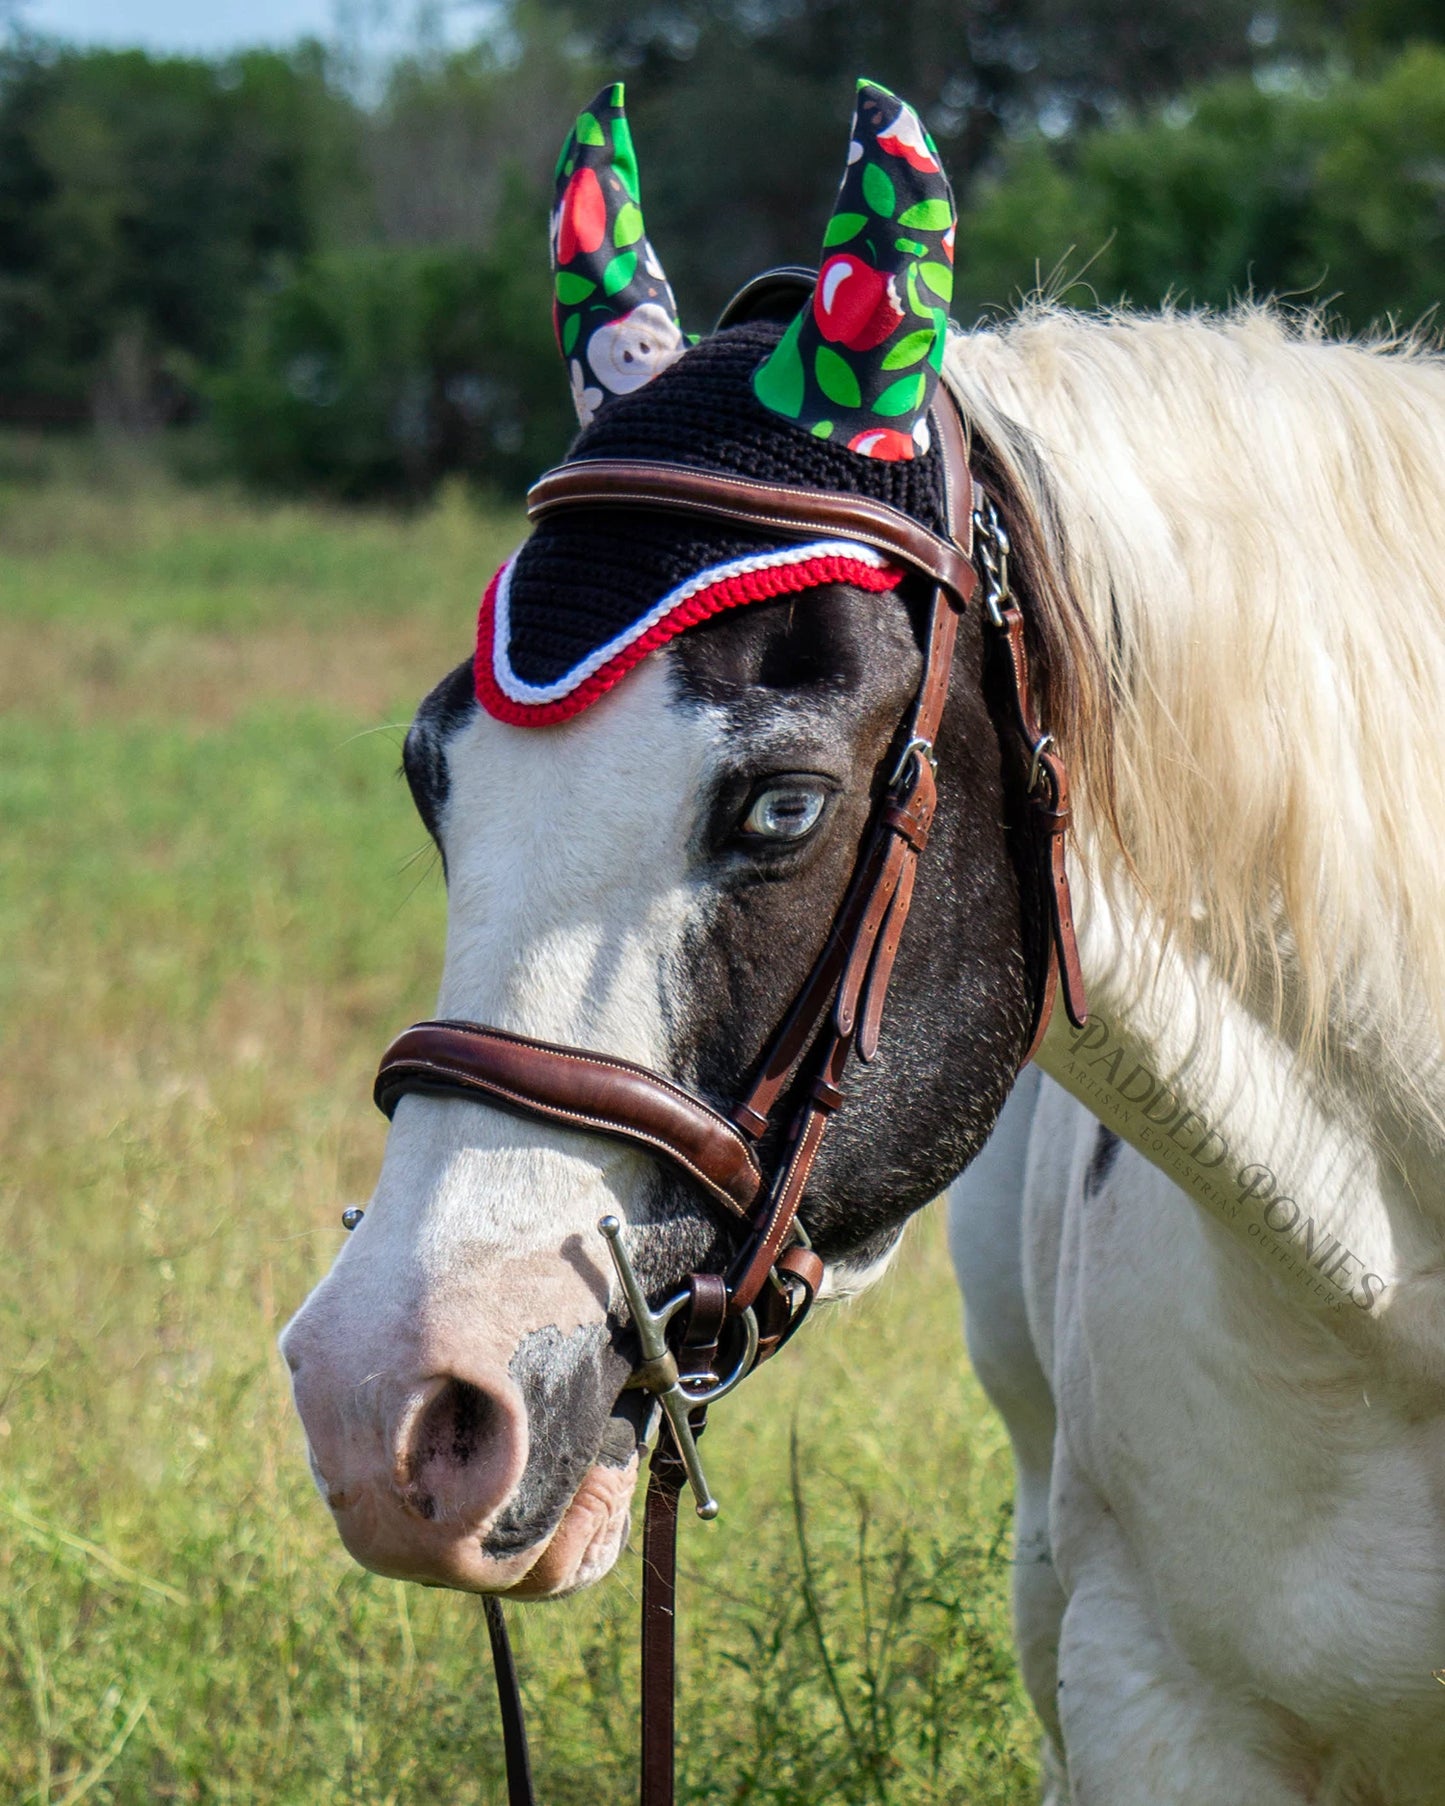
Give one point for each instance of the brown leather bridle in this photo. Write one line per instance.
(837, 1014)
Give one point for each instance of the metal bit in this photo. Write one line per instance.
(658, 1372)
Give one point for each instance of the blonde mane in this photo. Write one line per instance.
(1251, 517)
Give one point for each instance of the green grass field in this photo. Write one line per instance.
(215, 906)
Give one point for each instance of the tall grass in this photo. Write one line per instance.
(215, 904)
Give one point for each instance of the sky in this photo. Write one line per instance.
(179, 25)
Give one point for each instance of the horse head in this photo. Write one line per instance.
(652, 789)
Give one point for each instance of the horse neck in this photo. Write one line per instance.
(1330, 1203)
(1244, 518)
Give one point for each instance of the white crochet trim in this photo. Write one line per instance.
(513, 686)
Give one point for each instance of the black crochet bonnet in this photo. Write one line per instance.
(592, 591)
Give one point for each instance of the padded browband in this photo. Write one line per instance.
(582, 1089)
(764, 507)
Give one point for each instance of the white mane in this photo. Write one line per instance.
(1252, 518)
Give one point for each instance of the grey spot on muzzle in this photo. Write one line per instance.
(577, 1416)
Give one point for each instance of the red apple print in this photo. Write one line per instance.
(904, 138)
(884, 442)
(584, 218)
(852, 303)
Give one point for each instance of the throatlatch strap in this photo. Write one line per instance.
(1049, 806)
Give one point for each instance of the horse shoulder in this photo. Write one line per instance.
(1245, 1513)
(1005, 1221)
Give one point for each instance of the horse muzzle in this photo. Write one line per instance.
(468, 1467)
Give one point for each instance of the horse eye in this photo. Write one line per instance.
(785, 811)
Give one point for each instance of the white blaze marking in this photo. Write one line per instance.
(567, 852)
(567, 855)
(568, 896)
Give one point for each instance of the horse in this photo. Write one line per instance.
(1201, 1257)
(1212, 1318)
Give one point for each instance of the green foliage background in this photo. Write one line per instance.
(1328, 194)
(212, 912)
(345, 280)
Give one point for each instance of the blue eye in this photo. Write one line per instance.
(785, 811)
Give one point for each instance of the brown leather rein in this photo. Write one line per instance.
(737, 1320)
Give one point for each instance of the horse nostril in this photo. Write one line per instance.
(453, 1426)
(452, 1445)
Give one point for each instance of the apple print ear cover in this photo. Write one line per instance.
(860, 364)
(594, 591)
(613, 311)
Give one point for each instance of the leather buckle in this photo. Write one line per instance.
(916, 747)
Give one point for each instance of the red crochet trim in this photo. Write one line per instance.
(751, 586)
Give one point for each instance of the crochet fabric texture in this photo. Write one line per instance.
(594, 590)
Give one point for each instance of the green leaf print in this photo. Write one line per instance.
(939, 278)
(912, 348)
(780, 382)
(878, 190)
(901, 397)
(624, 160)
(927, 216)
(836, 379)
(844, 226)
(619, 272)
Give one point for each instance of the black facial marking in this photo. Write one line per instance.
(578, 1414)
(1101, 1161)
(822, 683)
(423, 753)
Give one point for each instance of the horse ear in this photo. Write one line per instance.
(860, 364)
(615, 318)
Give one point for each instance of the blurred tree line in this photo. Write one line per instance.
(351, 287)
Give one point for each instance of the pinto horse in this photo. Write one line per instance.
(1214, 1317)
(1203, 1256)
